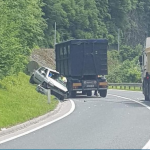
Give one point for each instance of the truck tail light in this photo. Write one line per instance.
(76, 85)
(103, 83)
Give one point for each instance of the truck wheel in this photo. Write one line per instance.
(72, 94)
(149, 92)
(83, 92)
(31, 80)
(146, 98)
(103, 93)
(146, 92)
(89, 93)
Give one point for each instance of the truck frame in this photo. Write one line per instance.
(84, 64)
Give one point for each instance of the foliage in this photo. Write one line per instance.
(97, 19)
(127, 52)
(21, 28)
(19, 101)
(75, 19)
(26, 24)
(127, 71)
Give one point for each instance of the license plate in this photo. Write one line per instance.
(90, 86)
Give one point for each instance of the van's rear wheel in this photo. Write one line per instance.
(31, 79)
(103, 93)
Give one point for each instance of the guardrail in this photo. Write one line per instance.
(125, 85)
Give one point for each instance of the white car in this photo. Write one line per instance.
(50, 79)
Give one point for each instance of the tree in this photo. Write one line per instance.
(129, 53)
(75, 19)
(54, 13)
(21, 29)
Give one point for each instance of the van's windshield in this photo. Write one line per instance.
(57, 77)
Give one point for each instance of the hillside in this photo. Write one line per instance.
(44, 57)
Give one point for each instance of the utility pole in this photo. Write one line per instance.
(118, 39)
(55, 35)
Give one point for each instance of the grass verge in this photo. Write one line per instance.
(20, 102)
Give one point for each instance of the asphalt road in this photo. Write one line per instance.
(119, 121)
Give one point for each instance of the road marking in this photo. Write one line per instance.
(131, 100)
(44, 125)
(147, 146)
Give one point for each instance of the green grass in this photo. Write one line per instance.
(19, 101)
(127, 88)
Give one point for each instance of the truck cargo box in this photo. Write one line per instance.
(76, 58)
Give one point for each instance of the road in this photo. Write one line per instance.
(119, 121)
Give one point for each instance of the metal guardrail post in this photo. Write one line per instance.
(49, 96)
(125, 85)
(46, 92)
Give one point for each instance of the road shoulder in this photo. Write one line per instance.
(63, 108)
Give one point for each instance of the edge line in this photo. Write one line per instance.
(44, 125)
(147, 145)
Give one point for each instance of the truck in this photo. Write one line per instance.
(84, 64)
(144, 60)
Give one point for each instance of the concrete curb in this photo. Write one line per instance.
(30, 122)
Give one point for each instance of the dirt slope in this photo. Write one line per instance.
(44, 57)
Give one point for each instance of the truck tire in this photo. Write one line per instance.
(146, 98)
(89, 93)
(103, 93)
(72, 94)
(31, 80)
(146, 91)
(84, 93)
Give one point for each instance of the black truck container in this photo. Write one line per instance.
(84, 64)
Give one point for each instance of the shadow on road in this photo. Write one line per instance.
(108, 100)
(111, 100)
(145, 102)
(131, 103)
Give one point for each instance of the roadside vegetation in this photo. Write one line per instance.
(26, 25)
(29, 24)
(125, 88)
(19, 101)
(123, 66)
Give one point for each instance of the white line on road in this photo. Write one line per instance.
(44, 125)
(147, 146)
(132, 100)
